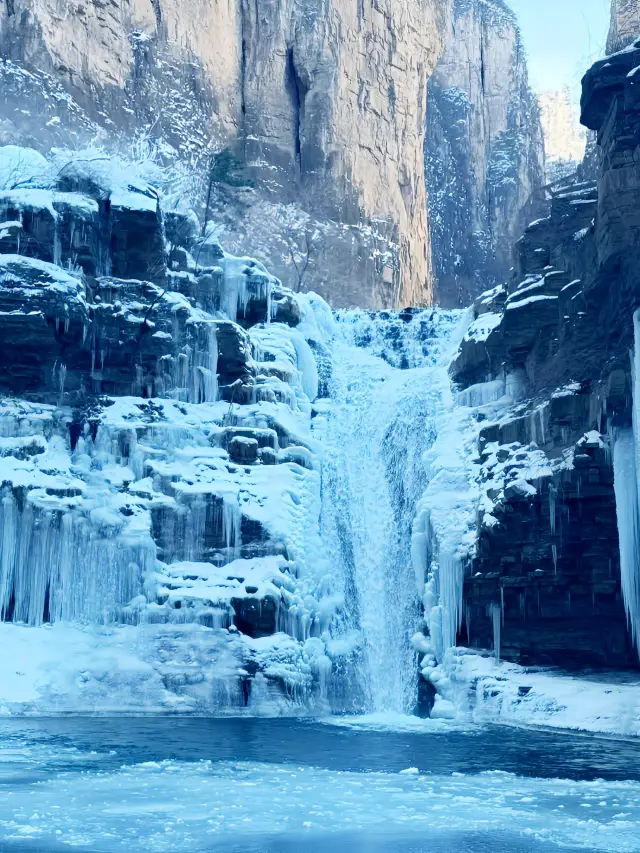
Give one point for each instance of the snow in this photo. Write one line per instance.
(123, 595)
(32, 178)
(21, 167)
(522, 303)
(13, 269)
(77, 551)
(481, 328)
(484, 691)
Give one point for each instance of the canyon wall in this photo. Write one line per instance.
(320, 103)
(625, 24)
(564, 138)
(484, 151)
(556, 556)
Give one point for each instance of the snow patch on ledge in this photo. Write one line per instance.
(483, 691)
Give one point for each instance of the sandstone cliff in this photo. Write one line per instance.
(484, 150)
(322, 102)
(625, 24)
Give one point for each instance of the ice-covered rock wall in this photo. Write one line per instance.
(160, 483)
(208, 482)
(322, 105)
(484, 151)
(552, 573)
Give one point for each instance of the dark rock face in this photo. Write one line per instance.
(561, 334)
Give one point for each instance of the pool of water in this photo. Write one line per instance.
(277, 786)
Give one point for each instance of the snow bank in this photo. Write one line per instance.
(483, 691)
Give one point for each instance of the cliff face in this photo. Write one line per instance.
(117, 356)
(484, 150)
(625, 24)
(564, 138)
(557, 553)
(322, 102)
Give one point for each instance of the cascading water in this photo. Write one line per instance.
(389, 386)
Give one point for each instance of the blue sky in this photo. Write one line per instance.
(562, 38)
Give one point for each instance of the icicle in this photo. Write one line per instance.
(626, 466)
(62, 374)
(9, 546)
(446, 617)
(496, 615)
(231, 525)
(477, 396)
(57, 243)
(626, 490)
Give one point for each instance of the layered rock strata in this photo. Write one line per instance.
(160, 486)
(546, 582)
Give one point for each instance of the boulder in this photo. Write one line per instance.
(243, 450)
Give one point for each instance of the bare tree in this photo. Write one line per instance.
(303, 243)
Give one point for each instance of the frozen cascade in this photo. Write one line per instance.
(390, 384)
(626, 488)
(188, 539)
(626, 461)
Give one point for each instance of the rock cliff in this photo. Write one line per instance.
(564, 138)
(156, 458)
(625, 24)
(484, 151)
(322, 104)
(554, 574)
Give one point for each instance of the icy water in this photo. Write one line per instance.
(277, 786)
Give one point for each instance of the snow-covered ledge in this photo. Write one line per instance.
(473, 686)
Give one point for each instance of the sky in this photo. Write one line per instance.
(562, 37)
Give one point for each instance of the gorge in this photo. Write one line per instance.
(319, 432)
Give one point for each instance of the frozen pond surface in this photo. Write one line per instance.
(277, 786)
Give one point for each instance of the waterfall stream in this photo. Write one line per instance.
(387, 390)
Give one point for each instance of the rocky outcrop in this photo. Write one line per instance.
(323, 107)
(549, 561)
(625, 24)
(484, 151)
(155, 408)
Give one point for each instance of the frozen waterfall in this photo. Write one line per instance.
(626, 461)
(259, 556)
(389, 388)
